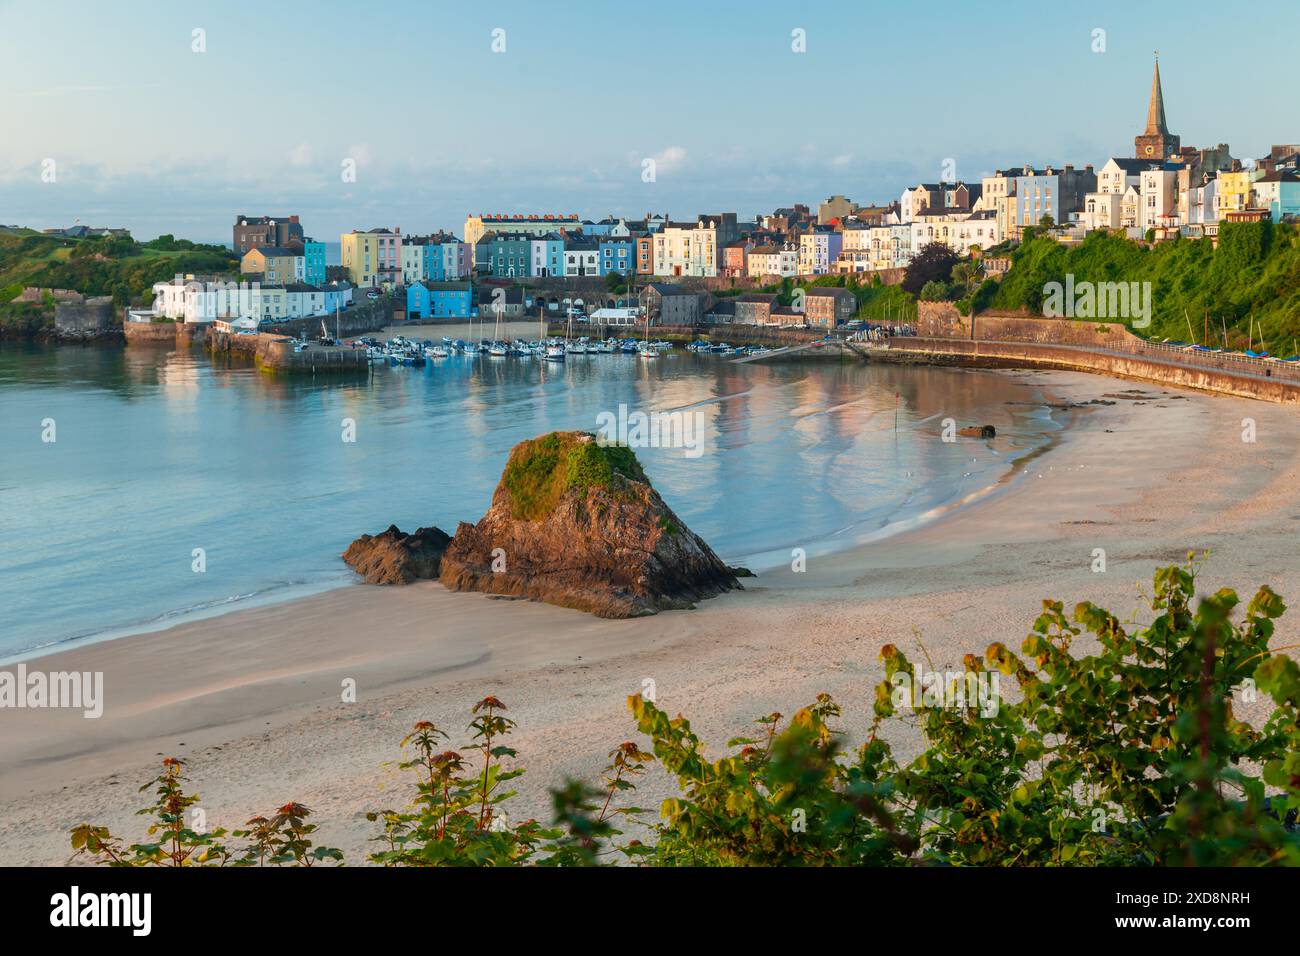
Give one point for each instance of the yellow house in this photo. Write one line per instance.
(359, 255)
(1234, 190)
(373, 257)
(276, 266)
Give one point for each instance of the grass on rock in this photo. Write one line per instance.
(542, 469)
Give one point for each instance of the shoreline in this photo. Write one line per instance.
(1046, 436)
(252, 696)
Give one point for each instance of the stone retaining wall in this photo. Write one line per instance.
(983, 354)
(150, 333)
(942, 320)
(87, 315)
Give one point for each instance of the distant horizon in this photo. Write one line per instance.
(736, 113)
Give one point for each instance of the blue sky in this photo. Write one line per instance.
(145, 132)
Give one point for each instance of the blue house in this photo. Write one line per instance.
(338, 295)
(434, 266)
(548, 255)
(313, 254)
(617, 255)
(439, 300)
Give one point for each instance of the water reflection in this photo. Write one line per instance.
(161, 451)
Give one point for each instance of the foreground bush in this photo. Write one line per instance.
(1132, 756)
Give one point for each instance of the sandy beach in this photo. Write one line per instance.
(253, 699)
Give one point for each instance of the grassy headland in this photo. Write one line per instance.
(120, 267)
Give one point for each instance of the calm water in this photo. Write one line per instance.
(158, 453)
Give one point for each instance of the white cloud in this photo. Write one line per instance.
(301, 155)
(669, 159)
(360, 152)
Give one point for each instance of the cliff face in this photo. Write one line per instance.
(577, 524)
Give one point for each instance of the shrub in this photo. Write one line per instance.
(1130, 756)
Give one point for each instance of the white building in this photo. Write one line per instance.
(1102, 210)
(581, 259)
(616, 316)
(773, 261)
(1119, 173)
(918, 198)
(303, 300)
(891, 246)
(236, 326)
(414, 257)
(1158, 206)
(205, 300)
(1117, 182)
(856, 238)
(686, 250)
(450, 260)
(978, 229)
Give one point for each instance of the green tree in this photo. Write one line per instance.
(934, 263)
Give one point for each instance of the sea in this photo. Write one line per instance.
(142, 487)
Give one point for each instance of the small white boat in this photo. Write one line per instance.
(648, 352)
(555, 353)
(498, 349)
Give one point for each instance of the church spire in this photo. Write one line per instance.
(1156, 110)
(1156, 143)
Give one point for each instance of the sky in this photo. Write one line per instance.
(175, 117)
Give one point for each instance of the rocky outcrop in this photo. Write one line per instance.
(576, 523)
(393, 557)
(978, 431)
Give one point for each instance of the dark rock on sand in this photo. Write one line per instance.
(393, 557)
(978, 431)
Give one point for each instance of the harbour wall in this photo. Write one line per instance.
(362, 317)
(1139, 368)
(167, 334)
(357, 320)
(275, 353)
(731, 334)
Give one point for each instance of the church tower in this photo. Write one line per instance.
(1156, 142)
